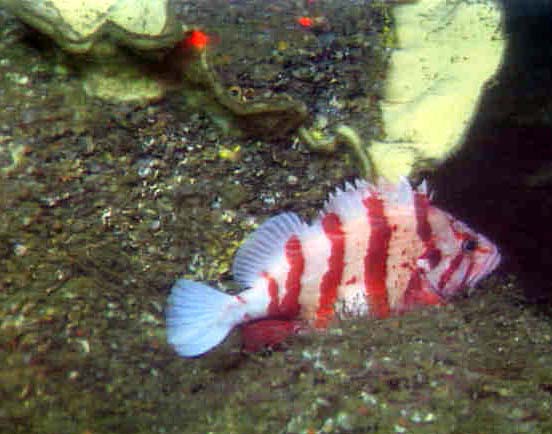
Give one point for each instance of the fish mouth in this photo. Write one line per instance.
(469, 282)
(436, 291)
(487, 268)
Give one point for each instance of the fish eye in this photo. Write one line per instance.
(469, 245)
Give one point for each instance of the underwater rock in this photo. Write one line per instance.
(447, 52)
(272, 117)
(137, 51)
(77, 25)
(103, 31)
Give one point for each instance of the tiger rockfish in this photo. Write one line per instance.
(374, 251)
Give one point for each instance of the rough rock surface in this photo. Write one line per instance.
(77, 24)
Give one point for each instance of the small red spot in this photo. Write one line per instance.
(80, 333)
(306, 22)
(351, 281)
(433, 256)
(197, 40)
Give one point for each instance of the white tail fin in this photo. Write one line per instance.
(199, 317)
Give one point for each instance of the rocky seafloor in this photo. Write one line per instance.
(103, 206)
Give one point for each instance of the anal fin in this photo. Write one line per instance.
(267, 333)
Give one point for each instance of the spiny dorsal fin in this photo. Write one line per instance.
(263, 246)
(400, 193)
(349, 200)
(398, 197)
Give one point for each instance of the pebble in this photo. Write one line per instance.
(292, 180)
(20, 249)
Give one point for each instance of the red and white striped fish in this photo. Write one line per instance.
(375, 251)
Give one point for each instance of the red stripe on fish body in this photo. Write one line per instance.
(284, 281)
(272, 292)
(317, 248)
(421, 208)
(425, 232)
(270, 263)
(280, 291)
(289, 306)
(333, 276)
(356, 229)
(375, 261)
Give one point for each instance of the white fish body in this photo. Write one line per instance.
(375, 251)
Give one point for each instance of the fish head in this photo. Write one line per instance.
(457, 257)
